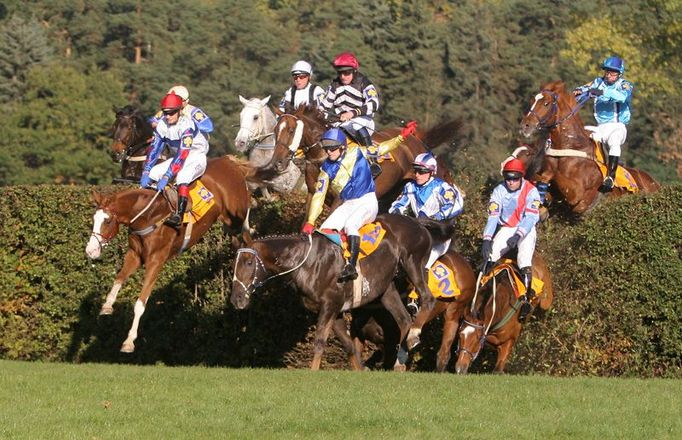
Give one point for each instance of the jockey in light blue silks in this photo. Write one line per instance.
(199, 117)
(431, 197)
(188, 145)
(612, 98)
(514, 207)
(346, 171)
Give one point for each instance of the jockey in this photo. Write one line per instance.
(303, 92)
(514, 206)
(199, 117)
(431, 197)
(346, 172)
(353, 98)
(612, 97)
(185, 139)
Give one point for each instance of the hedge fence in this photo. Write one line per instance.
(617, 276)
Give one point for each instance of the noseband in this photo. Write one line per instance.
(130, 148)
(297, 142)
(480, 343)
(254, 138)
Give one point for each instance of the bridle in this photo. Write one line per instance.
(542, 121)
(254, 139)
(255, 284)
(482, 339)
(298, 136)
(130, 148)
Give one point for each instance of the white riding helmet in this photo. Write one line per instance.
(302, 67)
(181, 91)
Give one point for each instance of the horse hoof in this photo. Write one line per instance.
(127, 348)
(400, 368)
(106, 310)
(412, 342)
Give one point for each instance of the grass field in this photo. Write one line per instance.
(98, 401)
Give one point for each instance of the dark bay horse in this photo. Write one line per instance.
(493, 319)
(314, 264)
(303, 128)
(132, 134)
(150, 242)
(570, 163)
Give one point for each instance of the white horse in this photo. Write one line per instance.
(256, 139)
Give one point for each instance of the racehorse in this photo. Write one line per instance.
(256, 139)
(568, 160)
(303, 128)
(314, 263)
(452, 309)
(132, 134)
(493, 319)
(150, 242)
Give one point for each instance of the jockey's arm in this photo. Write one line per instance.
(202, 120)
(371, 104)
(317, 202)
(153, 152)
(531, 214)
(617, 94)
(389, 145)
(181, 155)
(399, 206)
(494, 211)
(327, 101)
(451, 203)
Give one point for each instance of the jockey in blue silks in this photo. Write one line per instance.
(431, 197)
(346, 171)
(612, 99)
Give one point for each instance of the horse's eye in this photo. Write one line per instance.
(255, 117)
(546, 103)
(249, 262)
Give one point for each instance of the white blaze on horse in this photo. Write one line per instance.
(256, 139)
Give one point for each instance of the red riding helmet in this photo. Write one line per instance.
(514, 166)
(171, 102)
(346, 59)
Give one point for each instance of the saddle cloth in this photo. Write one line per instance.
(442, 283)
(200, 201)
(514, 276)
(371, 236)
(624, 179)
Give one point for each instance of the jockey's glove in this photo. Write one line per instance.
(409, 129)
(486, 249)
(145, 180)
(161, 184)
(596, 92)
(308, 228)
(513, 241)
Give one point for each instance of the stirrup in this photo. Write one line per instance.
(524, 311)
(607, 184)
(374, 169)
(413, 307)
(175, 221)
(348, 273)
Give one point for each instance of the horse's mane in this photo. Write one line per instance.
(557, 86)
(311, 113)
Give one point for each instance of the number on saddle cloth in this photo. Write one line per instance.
(371, 236)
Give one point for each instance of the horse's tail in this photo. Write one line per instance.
(444, 132)
(259, 176)
(440, 231)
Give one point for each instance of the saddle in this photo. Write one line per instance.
(514, 274)
(371, 236)
(624, 179)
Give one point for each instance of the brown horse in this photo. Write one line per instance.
(570, 163)
(314, 262)
(303, 128)
(493, 319)
(452, 310)
(131, 133)
(150, 242)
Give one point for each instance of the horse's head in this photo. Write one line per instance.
(471, 340)
(254, 123)
(301, 129)
(123, 131)
(249, 274)
(104, 227)
(551, 106)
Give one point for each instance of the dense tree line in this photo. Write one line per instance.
(65, 63)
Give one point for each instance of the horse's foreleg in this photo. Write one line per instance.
(391, 301)
(503, 352)
(325, 320)
(131, 262)
(150, 275)
(352, 350)
(450, 328)
(430, 309)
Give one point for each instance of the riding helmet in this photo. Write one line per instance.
(171, 102)
(346, 61)
(302, 67)
(615, 64)
(181, 91)
(425, 162)
(334, 137)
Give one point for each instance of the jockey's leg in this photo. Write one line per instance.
(436, 252)
(175, 220)
(615, 136)
(524, 259)
(349, 272)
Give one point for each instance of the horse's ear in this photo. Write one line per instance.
(265, 100)
(243, 100)
(96, 198)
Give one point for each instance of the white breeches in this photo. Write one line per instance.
(358, 122)
(526, 246)
(352, 214)
(436, 252)
(193, 168)
(611, 133)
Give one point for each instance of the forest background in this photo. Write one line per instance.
(65, 63)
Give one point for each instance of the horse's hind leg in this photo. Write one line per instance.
(131, 262)
(341, 332)
(150, 275)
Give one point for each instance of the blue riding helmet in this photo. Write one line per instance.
(334, 137)
(614, 63)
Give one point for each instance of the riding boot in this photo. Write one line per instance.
(175, 220)
(349, 272)
(610, 175)
(527, 274)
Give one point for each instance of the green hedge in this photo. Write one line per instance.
(617, 309)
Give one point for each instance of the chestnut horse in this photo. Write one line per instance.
(303, 128)
(132, 134)
(150, 242)
(314, 263)
(493, 319)
(452, 310)
(570, 163)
